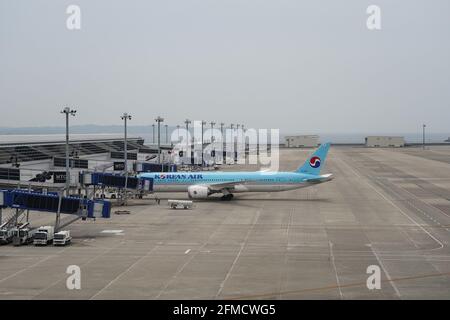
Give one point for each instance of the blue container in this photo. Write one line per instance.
(106, 213)
(99, 209)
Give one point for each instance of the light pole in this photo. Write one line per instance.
(232, 139)
(159, 120)
(243, 139)
(423, 136)
(212, 140)
(167, 134)
(187, 122)
(203, 124)
(125, 117)
(178, 132)
(67, 111)
(238, 142)
(223, 141)
(212, 129)
(153, 136)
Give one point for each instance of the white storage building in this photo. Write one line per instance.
(308, 141)
(385, 141)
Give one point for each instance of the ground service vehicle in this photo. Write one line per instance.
(6, 235)
(185, 204)
(22, 235)
(62, 238)
(43, 236)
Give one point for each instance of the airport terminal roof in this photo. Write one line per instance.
(40, 150)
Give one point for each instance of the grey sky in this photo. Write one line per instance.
(301, 66)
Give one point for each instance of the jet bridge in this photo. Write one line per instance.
(23, 201)
(36, 201)
(115, 181)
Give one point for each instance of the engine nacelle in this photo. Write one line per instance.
(198, 192)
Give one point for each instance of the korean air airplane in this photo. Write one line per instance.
(200, 185)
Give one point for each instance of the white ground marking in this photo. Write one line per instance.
(112, 231)
(33, 265)
(400, 210)
(335, 269)
(420, 210)
(27, 268)
(124, 272)
(397, 292)
(83, 265)
(414, 196)
(280, 287)
(222, 285)
(187, 251)
(393, 204)
(168, 283)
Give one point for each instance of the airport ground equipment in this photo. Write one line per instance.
(22, 201)
(122, 212)
(185, 204)
(62, 238)
(44, 235)
(136, 186)
(6, 235)
(154, 167)
(30, 200)
(115, 181)
(23, 234)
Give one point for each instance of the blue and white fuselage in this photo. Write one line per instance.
(203, 184)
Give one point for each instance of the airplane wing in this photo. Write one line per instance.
(225, 185)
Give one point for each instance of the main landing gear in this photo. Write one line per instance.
(227, 197)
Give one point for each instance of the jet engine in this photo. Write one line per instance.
(198, 192)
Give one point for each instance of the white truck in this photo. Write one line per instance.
(185, 204)
(6, 235)
(43, 236)
(62, 238)
(22, 235)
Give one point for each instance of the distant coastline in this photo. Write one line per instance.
(23, 134)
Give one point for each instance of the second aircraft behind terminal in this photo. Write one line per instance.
(200, 185)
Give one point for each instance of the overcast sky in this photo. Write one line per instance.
(301, 66)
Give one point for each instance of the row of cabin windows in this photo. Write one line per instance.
(231, 180)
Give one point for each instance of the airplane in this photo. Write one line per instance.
(200, 185)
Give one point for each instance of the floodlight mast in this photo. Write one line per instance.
(67, 111)
(223, 142)
(423, 136)
(203, 124)
(159, 120)
(187, 122)
(125, 117)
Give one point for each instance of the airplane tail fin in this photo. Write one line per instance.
(316, 161)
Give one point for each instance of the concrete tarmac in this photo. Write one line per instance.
(386, 207)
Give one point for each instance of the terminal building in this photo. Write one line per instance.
(304, 141)
(385, 141)
(42, 162)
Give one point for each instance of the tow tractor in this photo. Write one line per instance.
(185, 204)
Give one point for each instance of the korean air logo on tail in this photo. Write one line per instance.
(314, 162)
